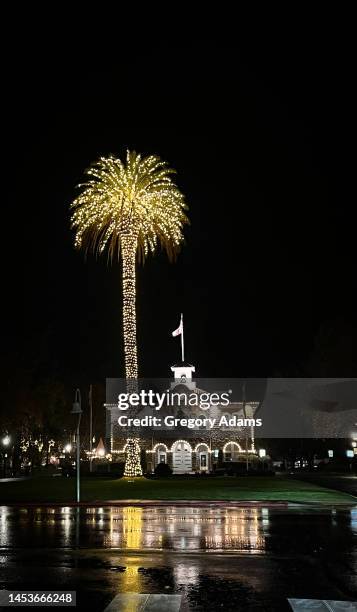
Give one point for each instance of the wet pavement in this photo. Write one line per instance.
(215, 557)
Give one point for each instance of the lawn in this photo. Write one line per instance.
(49, 489)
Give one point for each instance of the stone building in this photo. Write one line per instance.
(200, 450)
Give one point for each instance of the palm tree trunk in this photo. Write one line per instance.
(129, 244)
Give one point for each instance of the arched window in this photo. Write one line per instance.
(231, 451)
(161, 453)
(202, 446)
(181, 445)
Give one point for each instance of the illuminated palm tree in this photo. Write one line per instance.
(129, 208)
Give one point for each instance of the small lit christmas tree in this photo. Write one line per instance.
(132, 459)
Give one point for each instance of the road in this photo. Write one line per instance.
(216, 558)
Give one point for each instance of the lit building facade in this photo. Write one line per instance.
(187, 451)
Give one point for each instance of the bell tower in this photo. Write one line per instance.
(183, 375)
(183, 372)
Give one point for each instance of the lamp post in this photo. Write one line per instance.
(246, 437)
(78, 410)
(5, 441)
(262, 455)
(90, 428)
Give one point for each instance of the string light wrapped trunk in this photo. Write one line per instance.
(129, 246)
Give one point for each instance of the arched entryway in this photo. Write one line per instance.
(160, 453)
(202, 457)
(181, 457)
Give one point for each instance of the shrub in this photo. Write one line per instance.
(162, 470)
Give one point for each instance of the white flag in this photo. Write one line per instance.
(179, 330)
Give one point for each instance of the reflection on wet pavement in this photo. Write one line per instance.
(185, 529)
(259, 556)
(173, 528)
(250, 530)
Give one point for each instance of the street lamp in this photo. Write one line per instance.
(6, 440)
(262, 455)
(78, 410)
(68, 448)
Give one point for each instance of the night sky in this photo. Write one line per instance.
(259, 135)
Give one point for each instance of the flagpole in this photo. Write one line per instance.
(90, 428)
(182, 341)
(246, 437)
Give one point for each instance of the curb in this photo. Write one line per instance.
(151, 502)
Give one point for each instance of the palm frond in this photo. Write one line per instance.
(136, 197)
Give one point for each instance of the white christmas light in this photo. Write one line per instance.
(132, 459)
(129, 207)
